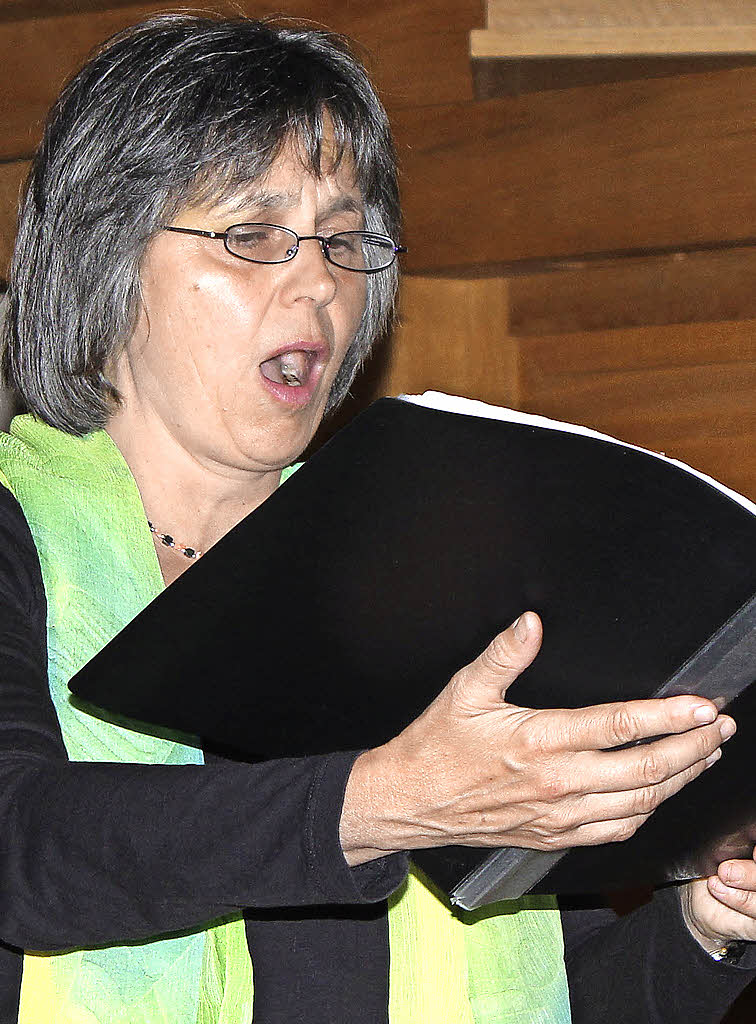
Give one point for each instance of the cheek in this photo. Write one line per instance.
(220, 310)
(353, 306)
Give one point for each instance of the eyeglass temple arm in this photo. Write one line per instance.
(195, 231)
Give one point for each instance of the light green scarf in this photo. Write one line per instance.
(498, 966)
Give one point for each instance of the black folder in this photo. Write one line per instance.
(334, 613)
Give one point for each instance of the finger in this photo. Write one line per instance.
(611, 816)
(740, 900)
(604, 726)
(650, 764)
(596, 833)
(739, 874)
(482, 684)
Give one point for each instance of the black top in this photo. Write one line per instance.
(172, 847)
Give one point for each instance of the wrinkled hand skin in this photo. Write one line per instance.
(476, 770)
(722, 907)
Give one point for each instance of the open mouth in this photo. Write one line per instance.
(292, 369)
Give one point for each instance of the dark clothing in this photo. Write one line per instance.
(100, 853)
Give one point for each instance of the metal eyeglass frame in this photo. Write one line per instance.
(325, 243)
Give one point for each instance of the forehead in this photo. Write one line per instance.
(289, 183)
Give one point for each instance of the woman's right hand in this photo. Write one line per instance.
(475, 770)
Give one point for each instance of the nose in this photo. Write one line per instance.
(309, 275)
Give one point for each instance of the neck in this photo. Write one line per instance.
(197, 501)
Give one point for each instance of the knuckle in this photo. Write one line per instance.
(654, 768)
(622, 725)
(740, 897)
(626, 828)
(646, 800)
(554, 786)
(556, 840)
(498, 653)
(534, 742)
(706, 742)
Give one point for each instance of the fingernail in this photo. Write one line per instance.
(733, 873)
(520, 629)
(727, 729)
(704, 714)
(713, 757)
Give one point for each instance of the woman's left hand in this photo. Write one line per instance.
(723, 907)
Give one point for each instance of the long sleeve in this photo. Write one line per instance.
(100, 852)
(646, 968)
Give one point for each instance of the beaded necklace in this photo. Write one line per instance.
(171, 543)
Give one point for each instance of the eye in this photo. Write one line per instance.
(261, 243)
(344, 244)
(252, 235)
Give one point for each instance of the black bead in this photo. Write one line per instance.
(189, 552)
(168, 540)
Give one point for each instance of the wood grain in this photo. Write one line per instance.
(453, 337)
(687, 390)
(630, 292)
(497, 77)
(579, 14)
(415, 51)
(615, 42)
(11, 178)
(609, 167)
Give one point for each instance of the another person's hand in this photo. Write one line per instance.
(723, 907)
(475, 770)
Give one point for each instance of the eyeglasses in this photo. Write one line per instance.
(363, 251)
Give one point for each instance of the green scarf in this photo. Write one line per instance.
(502, 965)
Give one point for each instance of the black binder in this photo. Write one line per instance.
(333, 614)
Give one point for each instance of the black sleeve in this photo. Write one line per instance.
(646, 967)
(93, 853)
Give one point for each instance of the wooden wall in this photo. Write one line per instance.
(686, 389)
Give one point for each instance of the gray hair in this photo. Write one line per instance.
(174, 111)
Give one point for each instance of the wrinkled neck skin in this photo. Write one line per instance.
(195, 500)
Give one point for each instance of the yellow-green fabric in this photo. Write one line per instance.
(100, 569)
(503, 965)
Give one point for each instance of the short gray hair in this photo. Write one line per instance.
(176, 110)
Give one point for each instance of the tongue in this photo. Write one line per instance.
(291, 368)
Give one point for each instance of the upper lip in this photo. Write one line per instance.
(317, 348)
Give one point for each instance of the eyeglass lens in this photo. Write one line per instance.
(353, 250)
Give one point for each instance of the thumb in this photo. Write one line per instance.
(482, 685)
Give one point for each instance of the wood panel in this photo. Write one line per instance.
(417, 52)
(17, 10)
(586, 14)
(681, 288)
(687, 390)
(590, 27)
(534, 45)
(495, 77)
(452, 337)
(614, 42)
(11, 177)
(633, 165)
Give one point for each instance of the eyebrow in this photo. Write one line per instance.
(266, 201)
